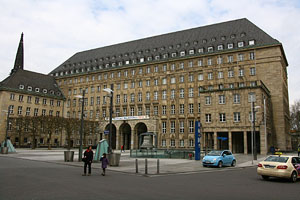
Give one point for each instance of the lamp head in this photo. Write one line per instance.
(108, 90)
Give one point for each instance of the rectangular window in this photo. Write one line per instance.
(172, 109)
(172, 94)
(155, 82)
(164, 110)
(230, 73)
(163, 143)
(181, 109)
(140, 110)
(12, 96)
(35, 112)
(173, 80)
(241, 72)
(251, 97)
(230, 59)
(208, 100)
(125, 98)
(155, 95)
(220, 75)
(252, 71)
(210, 76)
(209, 61)
(236, 116)
(251, 56)
(190, 63)
(191, 126)
(221, 99)
(219, 60)
(200, 77)
(191, 77)
(164, 127)
(181, 65)
(20, 97)
(147, 96)
(191, 108)
(155, 112)
(19, 110)
(236, 98)
(181, 143)
(240, 57)
(181, 127)
(140, 97)
(222, 117)
(43, 112)
(172, 125)
(199, 107)
(147, 83)
(181, 79)
(172, 143)
(124, 111)
(191, 92)
(208, 118)
(181, 93)
(164, 81)
(28, 111)
(200, 63)
(148, 110)
(164, 94)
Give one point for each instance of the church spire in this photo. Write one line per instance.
(19, 61)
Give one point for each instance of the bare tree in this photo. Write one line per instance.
(295, 116)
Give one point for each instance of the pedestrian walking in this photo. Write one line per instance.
(104, 163)
(122, 148)
(299, 150)
(87, 159)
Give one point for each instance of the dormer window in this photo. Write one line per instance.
(178, 45)
(187, 44)
(142, 60)
(58, 93)
(230, 46)
(51, 92)
(170, 47)
(201, 50)
(195, 42)
(149, 58)
(182, 53)
(243, 34)
(223, 38)
(37, 89)
(165, 56)
(251, 42)
(113, 64)
(154, 49)
(191, 52)
(157, 57)
(173, 55)
(220, 47)
(240, 44)
(232, 36)
(210, 49)
(29, 88)
(204, 41)
(106, 65)
(127, 62)
(120, 63)
(45, 91)
(21, 87)
(213, 39)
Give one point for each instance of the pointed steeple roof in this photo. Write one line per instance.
(19, 61)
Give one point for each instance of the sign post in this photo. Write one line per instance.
(197, 140)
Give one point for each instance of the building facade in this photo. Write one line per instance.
(163, 84)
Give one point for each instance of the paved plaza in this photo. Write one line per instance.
(127, 164)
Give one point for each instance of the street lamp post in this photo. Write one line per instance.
(7, 125)
(254, 149)
(81, 125)
(110, 94)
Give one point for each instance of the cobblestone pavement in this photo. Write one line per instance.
(127, 164)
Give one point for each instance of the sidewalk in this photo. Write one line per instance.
(127, 164)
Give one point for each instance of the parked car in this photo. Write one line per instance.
(280, 166)
(219, 158)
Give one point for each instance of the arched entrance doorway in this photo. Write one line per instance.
(125, 133)
(139, 129)
(113, 135)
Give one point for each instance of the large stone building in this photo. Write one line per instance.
(163, 84)
(25, 94)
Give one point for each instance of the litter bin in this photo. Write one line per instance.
(4, 150)
(69, 156)
(114, 159)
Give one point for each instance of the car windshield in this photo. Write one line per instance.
(277, 159)
(214, 153)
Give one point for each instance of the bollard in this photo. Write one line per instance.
(157, 166)
(136, 166)
(146, 166)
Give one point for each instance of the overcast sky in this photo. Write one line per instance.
(54, 30)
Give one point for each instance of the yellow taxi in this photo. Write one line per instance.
(280, 166)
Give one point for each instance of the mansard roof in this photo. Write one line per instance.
(23, 81)
(240, 33)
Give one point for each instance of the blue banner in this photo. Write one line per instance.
(197, 140)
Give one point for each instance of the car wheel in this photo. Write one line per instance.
(204, 165)
(220, 164)
(294, 177)
(233, 164)
(265, 177)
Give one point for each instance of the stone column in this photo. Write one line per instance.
(230, 141)
(215, 141)
(117, 139)
(133, 143)
(245, 143)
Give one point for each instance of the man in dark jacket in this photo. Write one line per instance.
(88, 158)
